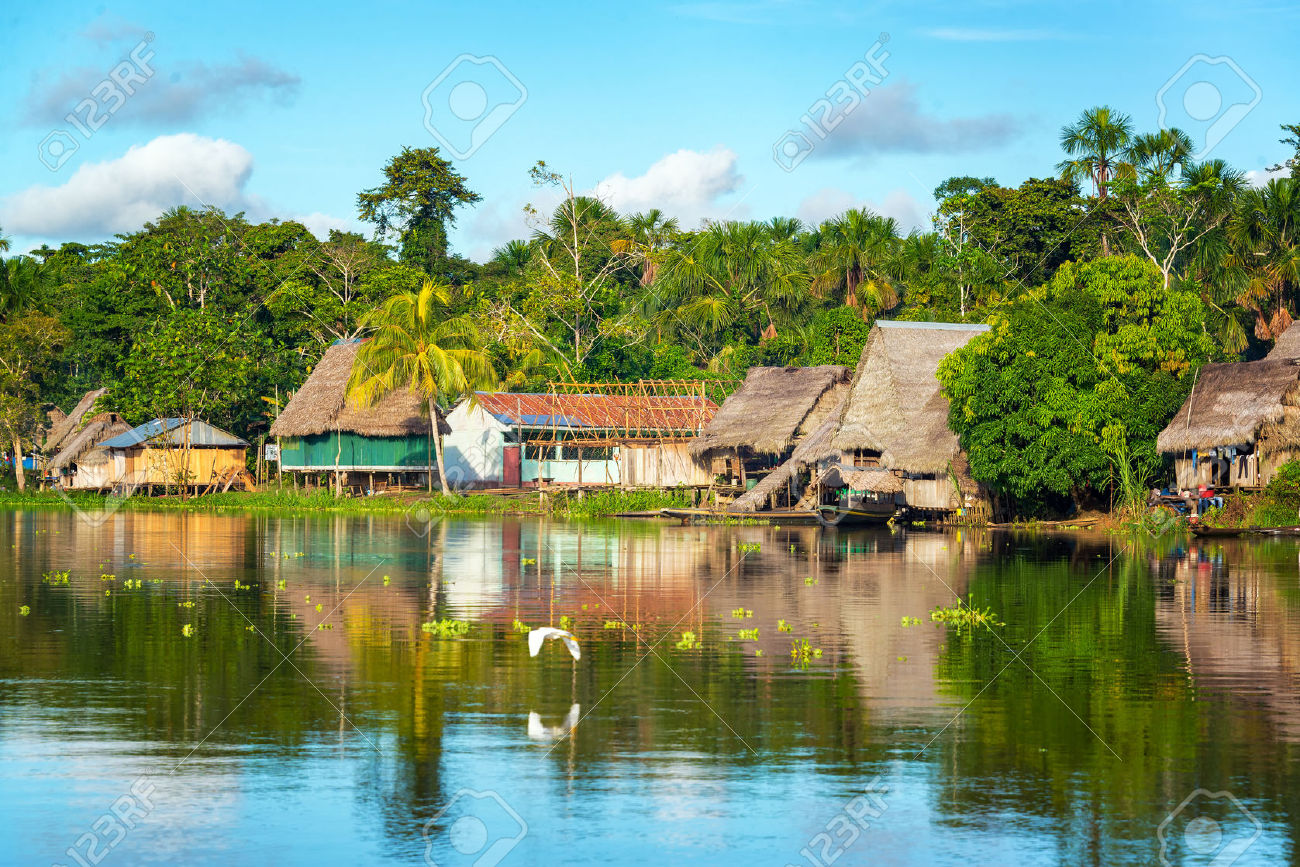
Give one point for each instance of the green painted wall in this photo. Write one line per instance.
(353, 451)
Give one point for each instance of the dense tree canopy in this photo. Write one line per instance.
(1106, 286)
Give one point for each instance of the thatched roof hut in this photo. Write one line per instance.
(805, 453)
(1238, 404)
(895, 405)
(321, 404)
(874, 479)
(1287, 344)
(64, 426)
(772, 410)
(83, 447)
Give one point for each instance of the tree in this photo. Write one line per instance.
(858, 252)
(1071, 385)
(1099, 143)
(1264, 259)
(22, 281)
(417, 202)
(649, 233)
(195, 364)
(1165, 218)
(732, 275)
(1156, 155)
(30, 344)
(1292, 163)
(415, 343)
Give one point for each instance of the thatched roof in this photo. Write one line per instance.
(877, 479)
(804, 453)
(767, 412)
(64, 426)
(103, 426)
(895, 406)
(321, 405)
(1287, 344)
(1230, 403)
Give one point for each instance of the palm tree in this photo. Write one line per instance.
(650, 233)
(1157, 154)
(732, 274)
(784, 228)
(513, 257)
(1264, 234)
(416, 343)
(858, 252)
(22, 279)
(1099, 143)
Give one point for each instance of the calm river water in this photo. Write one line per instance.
(229, 688)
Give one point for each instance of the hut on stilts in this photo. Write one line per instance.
(758, 428)
(321, 434)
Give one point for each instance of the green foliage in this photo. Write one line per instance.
(445, 628)
(1073, 379)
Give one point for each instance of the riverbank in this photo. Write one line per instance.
(591, 504)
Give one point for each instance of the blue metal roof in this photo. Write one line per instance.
(167, 431)
(551, 421)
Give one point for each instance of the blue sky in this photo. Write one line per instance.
(288, 110)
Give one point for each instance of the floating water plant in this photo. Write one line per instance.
(964, 615)
(55, 579)
(445, 628)
(810, 581)
(739, 613)
(518, 627)
(782, 626)
(387, 580)
(566, 622)
(189, 603)
(320, 607)
(749, 634)
(280, 585)
(688, 641)
(801, 651)
(188, 630)
(24, 610)
(239, 586)
(911, 621)
(250, 628)
(527, 561)
(749, 547)
(613, 624)
(758, 652)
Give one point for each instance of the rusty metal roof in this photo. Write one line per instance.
(632, 413)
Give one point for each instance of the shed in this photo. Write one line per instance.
(172, 451)
(1238, 425)
(82, 463)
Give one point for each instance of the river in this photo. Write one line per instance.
(249, 688)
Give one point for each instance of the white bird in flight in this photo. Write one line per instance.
(541, 633)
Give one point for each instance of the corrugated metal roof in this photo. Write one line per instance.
(605, 411)
(167, 431)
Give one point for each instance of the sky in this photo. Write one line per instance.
(708, 110)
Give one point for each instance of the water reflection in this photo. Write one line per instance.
(308, 716)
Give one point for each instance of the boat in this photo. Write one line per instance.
(778, 516)
(1212, 532)
(839, 516)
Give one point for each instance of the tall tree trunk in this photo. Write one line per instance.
(18, 464)
(437, 447)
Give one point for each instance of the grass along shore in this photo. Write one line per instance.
(555, 503)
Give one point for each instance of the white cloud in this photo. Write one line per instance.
(320, 224)
(831, 201)
(686, 184)
(1261, 177)
(890, 120)
(121, 195)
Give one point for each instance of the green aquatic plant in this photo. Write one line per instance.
(566, 622)
(911, 621)
(445, 628)
(55, 579)
(801, 651)
(108, 576)
(810, 581)
(527, 561)
(188, 630)
(519, 627)
(24, 610)
(320, 606)
(749, 547)
(613, 624)
(758, 652)
(749, 634)
(741, 612)
(782, 626)
(688, 641)
(189, 603)
(239, 586)
(281, 584)
(250, 628)
(387, 580)
(964, 616)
